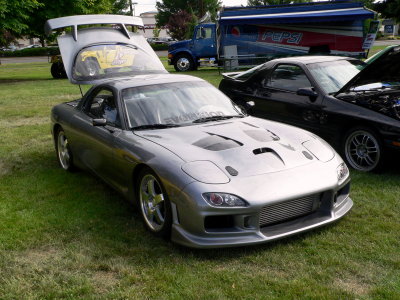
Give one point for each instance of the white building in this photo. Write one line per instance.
(149, 21)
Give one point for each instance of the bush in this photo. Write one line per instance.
(159, 47)
(43, 51)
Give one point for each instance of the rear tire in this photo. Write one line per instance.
(63, 151)
(184, 63)
(57, 70)
(363, 149)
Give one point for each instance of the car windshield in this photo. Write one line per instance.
(176, 103)
(333, 75)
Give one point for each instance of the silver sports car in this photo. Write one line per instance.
(201, 171)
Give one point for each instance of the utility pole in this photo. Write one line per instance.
(132, 7)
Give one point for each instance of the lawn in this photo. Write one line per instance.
(69, 236)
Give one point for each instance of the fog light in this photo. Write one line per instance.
(224, 200)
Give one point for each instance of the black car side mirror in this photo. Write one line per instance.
(99, 122)
(309, 92)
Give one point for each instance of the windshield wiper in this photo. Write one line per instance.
(154, 126)
(216, 118)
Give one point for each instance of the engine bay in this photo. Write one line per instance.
(385, 102)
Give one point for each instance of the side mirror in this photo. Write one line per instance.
(99, 122)
(309, 92)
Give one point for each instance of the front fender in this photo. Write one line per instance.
(173, 54)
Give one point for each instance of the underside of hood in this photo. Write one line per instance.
(242, 147)
(384, 67)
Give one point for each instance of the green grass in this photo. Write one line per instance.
(69, 236)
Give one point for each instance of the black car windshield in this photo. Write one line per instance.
(333, 75)
(175, 103)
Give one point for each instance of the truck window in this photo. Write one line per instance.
(204, 33)
(288, 77)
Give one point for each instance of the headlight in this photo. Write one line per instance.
(224, 200)
(205, 171)
(342, 172)
(320, 149)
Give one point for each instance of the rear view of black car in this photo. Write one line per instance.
(353, 104)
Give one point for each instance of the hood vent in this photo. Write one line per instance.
(261, 135)
(217, 143)
(267, 150)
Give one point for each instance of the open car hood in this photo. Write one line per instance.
(92, 55)
(383, 67)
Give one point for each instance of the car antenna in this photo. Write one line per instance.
(80, 89)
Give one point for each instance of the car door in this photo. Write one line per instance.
(276, 97)
(94, 140)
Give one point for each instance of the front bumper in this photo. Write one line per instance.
(243, 226)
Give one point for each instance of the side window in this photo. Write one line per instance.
(288, 77)
(103, 106)
(203, 33)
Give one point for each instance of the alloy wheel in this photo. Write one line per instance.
(152, 203)
(362, 150)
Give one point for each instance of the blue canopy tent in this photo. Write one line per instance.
(295, 13)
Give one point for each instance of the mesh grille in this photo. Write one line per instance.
(290, 209)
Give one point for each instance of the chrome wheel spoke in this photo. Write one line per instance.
(151, 188)
(159, 198)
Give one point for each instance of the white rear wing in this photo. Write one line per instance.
(75, 21)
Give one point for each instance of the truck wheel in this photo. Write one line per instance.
(57, 70)
(183, 63)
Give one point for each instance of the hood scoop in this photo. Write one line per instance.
(261, 135)
(267, 150)
(215, 142)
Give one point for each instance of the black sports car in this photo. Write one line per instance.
(353, 104)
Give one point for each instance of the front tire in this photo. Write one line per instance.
(64, 154)
(154, 204)
(183, 63)
(363, 150)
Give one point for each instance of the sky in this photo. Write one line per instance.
(149, 5)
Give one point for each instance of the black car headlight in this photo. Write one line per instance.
(224, 200)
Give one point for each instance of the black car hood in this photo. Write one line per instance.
(385, 68)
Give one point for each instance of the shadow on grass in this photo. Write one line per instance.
(8, 81)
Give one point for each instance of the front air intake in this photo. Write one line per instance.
(286, 210)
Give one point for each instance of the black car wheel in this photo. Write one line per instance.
(183, 63)
(153, 202)
(363, 149)
(57, 70)
(63, 151)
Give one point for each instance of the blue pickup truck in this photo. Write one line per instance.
(260, 33)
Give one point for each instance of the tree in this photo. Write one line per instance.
(273, 2)
(178, 24)
(13, 17)
(167, 8)
(389, 9)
